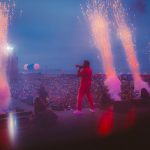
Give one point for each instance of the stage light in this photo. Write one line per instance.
(9, 49)
(12, 127)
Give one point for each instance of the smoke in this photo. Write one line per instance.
(97, 16)
(99, 21)
(113, 84)
(126, 38)
(139, 84)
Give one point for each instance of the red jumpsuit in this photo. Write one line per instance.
(85, 87)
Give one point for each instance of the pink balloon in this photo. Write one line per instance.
(36, 66)
(26, 67)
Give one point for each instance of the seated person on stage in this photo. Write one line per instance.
(42, 113)
(145, 96)
(41, 102)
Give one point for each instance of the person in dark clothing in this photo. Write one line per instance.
(43, 115)
(43, 93)
(145, 94)
(41, 102)
(39, 105)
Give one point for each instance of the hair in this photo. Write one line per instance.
(86, 63)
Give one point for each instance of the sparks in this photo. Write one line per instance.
(126, 37)
(4, 86)
(97, 16)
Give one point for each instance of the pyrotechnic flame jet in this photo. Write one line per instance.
(4, 86)
(97, 16)
(126, 37)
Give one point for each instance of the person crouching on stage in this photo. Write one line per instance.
(43, 115)
(85, 73)
(41, 102)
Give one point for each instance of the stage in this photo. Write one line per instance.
(106, 128)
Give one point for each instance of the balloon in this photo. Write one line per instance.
(26, 67)
(36, 66)
(31, 67)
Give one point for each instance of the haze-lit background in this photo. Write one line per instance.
(54, 34)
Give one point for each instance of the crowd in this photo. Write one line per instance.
(63, 89)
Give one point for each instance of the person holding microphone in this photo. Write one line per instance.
(85, 74)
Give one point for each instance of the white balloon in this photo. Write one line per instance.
(26, 67)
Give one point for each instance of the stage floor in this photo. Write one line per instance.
(103, 129)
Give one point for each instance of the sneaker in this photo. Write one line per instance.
(77, 112)
(92, 110)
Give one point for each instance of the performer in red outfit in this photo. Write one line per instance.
(85, 73)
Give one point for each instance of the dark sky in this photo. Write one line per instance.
(54, 33)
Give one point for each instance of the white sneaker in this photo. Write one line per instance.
(92, 110)
(77, 112)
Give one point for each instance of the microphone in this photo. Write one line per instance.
(79, 66)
